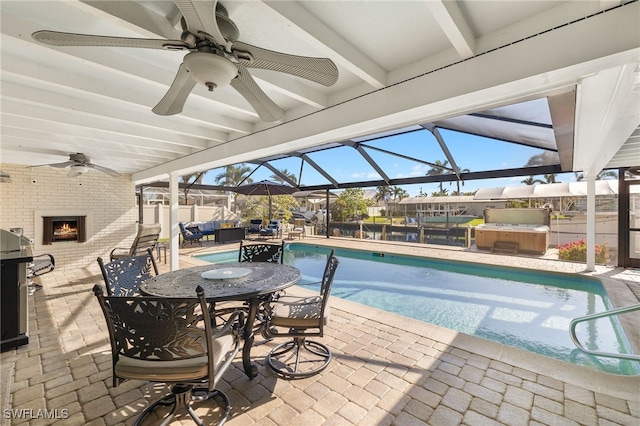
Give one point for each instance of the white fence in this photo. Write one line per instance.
(160, 214)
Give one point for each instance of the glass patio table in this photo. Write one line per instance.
(246, 281)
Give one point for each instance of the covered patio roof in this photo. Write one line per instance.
(559, 77)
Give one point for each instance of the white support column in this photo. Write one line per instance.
(591, 223)
(173, 221)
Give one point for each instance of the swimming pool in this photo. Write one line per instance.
(527, 309)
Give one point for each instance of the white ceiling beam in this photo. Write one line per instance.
(136, 17)
(609, 113)
(125, 68)
(56, 107)
(101, 136)
(88, 95)
(34, 152)
(448, 15)
(307, 27)
(546, 67)
(284, 84)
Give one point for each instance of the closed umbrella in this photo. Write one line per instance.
(265, 187)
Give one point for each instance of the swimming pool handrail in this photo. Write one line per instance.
(574, 322)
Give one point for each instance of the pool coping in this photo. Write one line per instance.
(616, 385)
(612, 384)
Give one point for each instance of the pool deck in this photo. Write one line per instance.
(386, 369)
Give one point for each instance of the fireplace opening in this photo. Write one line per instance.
(63, 228)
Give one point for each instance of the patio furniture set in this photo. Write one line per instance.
(185, 327)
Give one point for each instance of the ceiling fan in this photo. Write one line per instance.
(216, 58)
(80, 163)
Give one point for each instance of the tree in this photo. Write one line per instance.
(460, 181)
(350, 203)
(438, 169)
(197, 178)
(441, 193)
(398, 194)
(232, 176)
(383, 193)
(603, 175)
(531, 180)
(281, 207)
(542, 159)
(290, 175)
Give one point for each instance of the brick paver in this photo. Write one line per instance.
(382, 373)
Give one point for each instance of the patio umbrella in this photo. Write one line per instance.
(265, 187)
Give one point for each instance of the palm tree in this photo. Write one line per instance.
(460, 181)
(197, 179)
(603, 175)
(398, 194)
(531, 181)
(442, 193)
(542, 159)
(382, 195)
(290, 175)
(232, 176)
(438, 169)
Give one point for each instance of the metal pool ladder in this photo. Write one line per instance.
(575, 321)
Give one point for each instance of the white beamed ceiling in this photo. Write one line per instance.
(401, 63)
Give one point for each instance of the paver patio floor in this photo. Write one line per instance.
(386, 369)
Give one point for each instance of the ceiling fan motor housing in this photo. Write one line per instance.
(210, 69)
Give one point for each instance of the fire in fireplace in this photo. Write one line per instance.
(63, 228)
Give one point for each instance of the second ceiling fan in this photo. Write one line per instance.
(216, 58)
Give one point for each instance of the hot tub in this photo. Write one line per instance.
(514, 230)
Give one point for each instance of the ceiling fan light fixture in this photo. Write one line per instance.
(79, 169)
(210, 69)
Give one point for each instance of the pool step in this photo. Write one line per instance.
(505, 247)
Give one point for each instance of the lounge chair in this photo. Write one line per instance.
(255, 226)
(274, 229)
(147, 238)
(190, 235)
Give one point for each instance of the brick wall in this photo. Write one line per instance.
(108, 202)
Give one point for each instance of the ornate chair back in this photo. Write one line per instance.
(261, 252)
(169, 340)
(123, 277)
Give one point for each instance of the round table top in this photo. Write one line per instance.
(253, 279)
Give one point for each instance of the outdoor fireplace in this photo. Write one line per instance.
(63, 228)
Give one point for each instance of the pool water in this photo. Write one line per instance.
(527, 309)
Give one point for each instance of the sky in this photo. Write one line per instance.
(473, 153)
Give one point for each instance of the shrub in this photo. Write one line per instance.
(577, 251)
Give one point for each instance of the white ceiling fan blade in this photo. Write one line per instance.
(320, 70)
(173, 101)
(56, 38)
(200, 16)
(57, 165)
(264, 106)
(102, 169)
